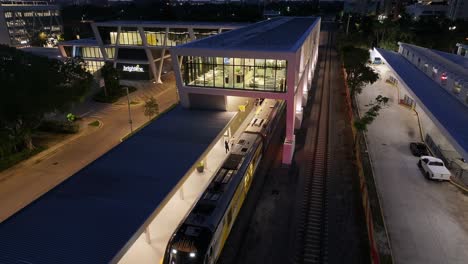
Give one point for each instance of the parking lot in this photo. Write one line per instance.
(427, 221)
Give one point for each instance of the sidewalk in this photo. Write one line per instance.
(25, 182)
(427, 221)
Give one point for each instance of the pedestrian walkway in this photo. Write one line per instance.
(427, 221)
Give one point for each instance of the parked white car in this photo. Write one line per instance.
(434, 168)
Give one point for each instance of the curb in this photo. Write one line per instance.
(462, 188)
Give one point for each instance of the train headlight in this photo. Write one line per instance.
(174, 251)
(192, 254)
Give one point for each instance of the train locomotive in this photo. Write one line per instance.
(200, 237)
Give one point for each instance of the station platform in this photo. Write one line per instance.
(97, 214)
(150, 246)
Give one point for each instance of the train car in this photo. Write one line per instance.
(201, 236)
(266, 118)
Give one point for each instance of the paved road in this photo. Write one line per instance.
(22, 184)
(427, 221)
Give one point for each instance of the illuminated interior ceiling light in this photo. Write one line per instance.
(174, 251)
(192, 254)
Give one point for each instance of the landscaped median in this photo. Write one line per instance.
(379, 242)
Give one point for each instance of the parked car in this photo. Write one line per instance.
(377, 60)
(434, 168)
(419, 149)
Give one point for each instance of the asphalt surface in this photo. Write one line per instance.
(427, 221)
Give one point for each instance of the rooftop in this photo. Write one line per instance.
(454, 64)
(268, 35)
(170, 23)
(449, 112)
(90, 217)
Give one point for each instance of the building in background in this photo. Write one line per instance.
(29, 23)
(428, 9)
(458, 9)
(138, 48)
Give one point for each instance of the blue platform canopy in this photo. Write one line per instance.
(448, 113)
(91, 216)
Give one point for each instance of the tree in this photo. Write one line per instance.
(151, 107)
(358, 73)
(111, 79)
(362, 123)
(32, 86)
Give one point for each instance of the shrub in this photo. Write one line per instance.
(59, 127)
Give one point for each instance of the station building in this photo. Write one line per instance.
(124, 206)
(21, 22)
(435, 85)
(270, 59)
(138, 48)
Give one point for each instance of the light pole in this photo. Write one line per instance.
(347, 24)
(129, 113)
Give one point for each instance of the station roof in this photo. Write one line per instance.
(454, 64)
(178, 24)
(91, 216)
(276, 34)
(449, 112)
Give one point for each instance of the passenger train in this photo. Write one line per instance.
(200, 237)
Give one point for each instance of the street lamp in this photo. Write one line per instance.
(347, 24)
(129, 113)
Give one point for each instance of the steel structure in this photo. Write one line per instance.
(138, 48)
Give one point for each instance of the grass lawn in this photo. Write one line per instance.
(94, 123)
(100, 97)
(18, 157)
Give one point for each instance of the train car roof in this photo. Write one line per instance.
(210, 208)
(91, 216)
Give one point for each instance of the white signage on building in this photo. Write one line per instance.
(135, 68)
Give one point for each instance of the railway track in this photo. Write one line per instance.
(311, 234)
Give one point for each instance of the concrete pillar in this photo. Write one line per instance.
(183, 97)
(117, 44)
(149, 55)
(290, 139)
(147, 235)
(181, 193)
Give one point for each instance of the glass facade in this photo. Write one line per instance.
(203, 33)
(94, 66)
(235, 73)
(155, 36)
(130, 36)
(177, 36)
(110, 53)
(26, 26)
(88, 52)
